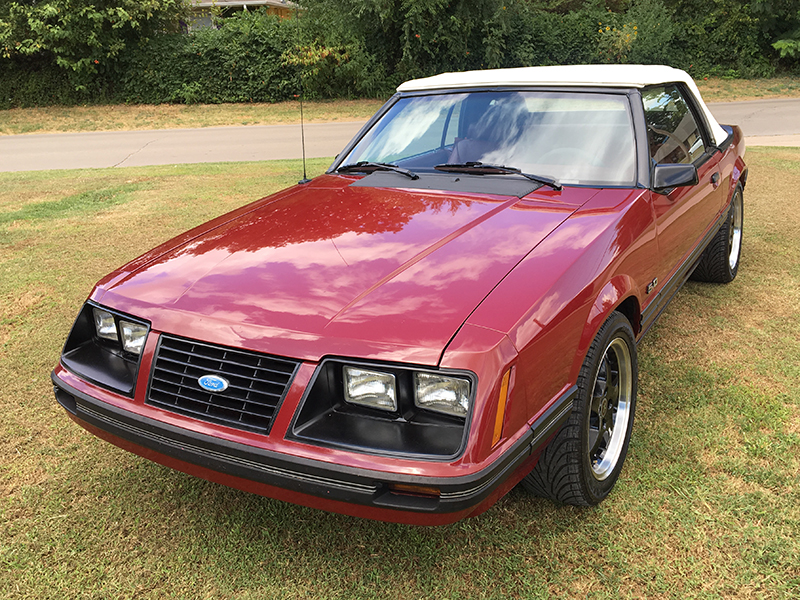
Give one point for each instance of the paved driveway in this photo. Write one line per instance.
(765, 122)
(33, 152)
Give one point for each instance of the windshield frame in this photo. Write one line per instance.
(641, 174)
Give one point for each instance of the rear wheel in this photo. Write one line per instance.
(719, 262)
(583, 462)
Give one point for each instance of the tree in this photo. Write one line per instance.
(780, 20)
(413, 38)
(83, 37)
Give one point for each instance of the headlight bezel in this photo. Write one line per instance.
(103, 361)
(324, 418)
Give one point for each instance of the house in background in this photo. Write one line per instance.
(203, 11)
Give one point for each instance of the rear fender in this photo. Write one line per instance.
(739, 172)
(738, 177)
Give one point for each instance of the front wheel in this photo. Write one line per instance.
(583, 462)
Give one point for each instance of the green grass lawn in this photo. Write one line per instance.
(708, 505)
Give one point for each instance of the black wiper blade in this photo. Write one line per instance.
(479, 168)
(365, 166)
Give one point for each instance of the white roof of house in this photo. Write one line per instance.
(567, 76)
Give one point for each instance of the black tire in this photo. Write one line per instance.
(582, 463)
(719, 262)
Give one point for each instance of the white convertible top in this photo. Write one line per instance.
(623, 76)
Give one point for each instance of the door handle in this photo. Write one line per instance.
(715, 180)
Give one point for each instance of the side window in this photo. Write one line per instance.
(672, 132)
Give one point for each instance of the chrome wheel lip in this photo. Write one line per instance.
(735, 233)
(603, 465)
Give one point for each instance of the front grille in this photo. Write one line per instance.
(257, 383)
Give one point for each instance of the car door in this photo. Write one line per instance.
(675, 134)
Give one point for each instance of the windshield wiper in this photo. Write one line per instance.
(479, 168)
(366, 166)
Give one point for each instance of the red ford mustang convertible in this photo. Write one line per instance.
(452, 309)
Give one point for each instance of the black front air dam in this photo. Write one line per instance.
(316, 478)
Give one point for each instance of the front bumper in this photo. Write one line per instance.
(349, 490)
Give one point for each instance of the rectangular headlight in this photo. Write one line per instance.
(133, 336)
(448, 395)
(372, 389)
(104, 324)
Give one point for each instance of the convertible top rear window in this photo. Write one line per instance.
(576, 138)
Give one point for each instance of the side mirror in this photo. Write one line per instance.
(666, 177)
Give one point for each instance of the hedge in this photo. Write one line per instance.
(360, 48)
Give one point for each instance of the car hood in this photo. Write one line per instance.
(330, 269)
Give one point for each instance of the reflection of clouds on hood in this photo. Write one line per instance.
(390, 306)
(382, 265)
(324, 305)
(320, 254)
(456, 275)
(310, 216)
(300, 275)
(352, 247)
(165, 281)
(575, 237)
(442, 270)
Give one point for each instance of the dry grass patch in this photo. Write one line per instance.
(122, 117)
(793, 425)
(19, 303)
(718, 89)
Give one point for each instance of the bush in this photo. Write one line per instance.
(723, 37)
(242, 61)
(389, 42)
(251, 57)
(71, 51)
(548, 38)
(657, 35)
(336, 71)
(28, 82)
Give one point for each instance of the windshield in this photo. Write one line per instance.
(576, 138)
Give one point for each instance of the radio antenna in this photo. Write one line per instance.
(305, 178)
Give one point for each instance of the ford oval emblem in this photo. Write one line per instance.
(213, 383)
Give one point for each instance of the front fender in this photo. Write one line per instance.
(619, 293)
